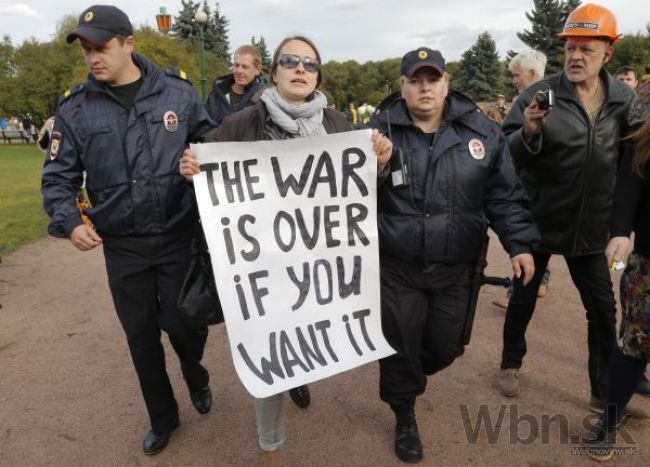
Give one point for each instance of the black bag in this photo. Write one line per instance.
(198, 301)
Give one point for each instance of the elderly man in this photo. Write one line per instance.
(527, 68)
(432, 221)
(239, 89)
(567, 158)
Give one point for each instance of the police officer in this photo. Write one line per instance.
(450, 176)
(127, 127)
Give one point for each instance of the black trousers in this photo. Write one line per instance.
(145, 275)
(423, 311)
(591, 277)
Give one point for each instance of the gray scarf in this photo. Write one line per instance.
(302, 119)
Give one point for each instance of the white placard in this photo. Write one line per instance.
(292, 231)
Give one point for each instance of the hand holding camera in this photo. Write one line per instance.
(542, 103)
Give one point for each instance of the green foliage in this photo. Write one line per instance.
(215, 31)
(547, 19)
(22, 218)
(167, 51)
(454, 71)
(633, 50)
(41, 73)
(349, 81)
(34, 74)
(481, 70)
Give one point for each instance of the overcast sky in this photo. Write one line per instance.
(343, 29)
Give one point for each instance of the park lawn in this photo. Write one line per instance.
(22, 218)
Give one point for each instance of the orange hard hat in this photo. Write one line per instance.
(591, 20)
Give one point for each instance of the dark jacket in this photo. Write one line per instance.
(217, 103)
(248, 125)
(569, 170)
(631, 210)
(443, 215)
(130, 158)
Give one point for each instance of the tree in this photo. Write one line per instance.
(631, 51)
(480, 69)
(184, 26)
(38, 73)
(264, 53)
(6, 57)
(547, 19)
(215, 31)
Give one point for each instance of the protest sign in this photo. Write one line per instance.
(292, 231)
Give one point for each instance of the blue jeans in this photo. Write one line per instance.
(271, 417)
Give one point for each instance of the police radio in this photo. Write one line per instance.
(399, 170)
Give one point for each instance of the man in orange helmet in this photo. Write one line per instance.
(564, 134)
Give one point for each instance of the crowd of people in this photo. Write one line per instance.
(542, 174)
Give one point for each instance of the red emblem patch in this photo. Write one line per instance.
(170, 121)
(476, 149)
(55, 144)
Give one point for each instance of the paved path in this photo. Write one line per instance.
(69, 395)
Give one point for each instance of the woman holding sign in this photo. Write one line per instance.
(292, 108)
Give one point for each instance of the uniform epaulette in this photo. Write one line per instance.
(178, 73)
(71, 92)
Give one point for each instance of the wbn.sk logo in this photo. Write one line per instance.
(527, 429)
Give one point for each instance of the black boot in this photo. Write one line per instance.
(407, 439)
(300, 396)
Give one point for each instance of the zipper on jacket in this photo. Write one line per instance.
(585, 164)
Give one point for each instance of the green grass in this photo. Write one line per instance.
(22, 218)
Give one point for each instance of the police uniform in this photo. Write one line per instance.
(433, 213)
(142, 209)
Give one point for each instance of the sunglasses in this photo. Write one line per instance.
(291, 61)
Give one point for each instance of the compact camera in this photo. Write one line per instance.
(545, 99)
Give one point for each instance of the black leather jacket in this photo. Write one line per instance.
(569, 170)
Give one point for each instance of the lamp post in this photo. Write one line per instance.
(201, 19)
(164, 20)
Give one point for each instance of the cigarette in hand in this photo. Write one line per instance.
(617, 265)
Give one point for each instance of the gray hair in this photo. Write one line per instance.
(529, 60)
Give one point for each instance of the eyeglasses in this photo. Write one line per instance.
(291, 61)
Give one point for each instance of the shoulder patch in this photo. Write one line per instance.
(178, 73)
(71, 92)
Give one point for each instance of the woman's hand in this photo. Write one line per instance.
(383, 148)
(189, 165)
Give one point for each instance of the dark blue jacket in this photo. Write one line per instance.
(217, 104)
(443, 215)
(130, 158)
